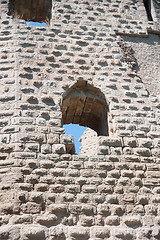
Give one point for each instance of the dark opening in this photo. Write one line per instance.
(31, 10)
(85, 105)
(147, 4)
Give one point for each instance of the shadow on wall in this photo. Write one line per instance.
(85, 105)
(31, 10)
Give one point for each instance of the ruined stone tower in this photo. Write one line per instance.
(97, 64)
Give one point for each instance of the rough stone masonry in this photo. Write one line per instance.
(96, 64)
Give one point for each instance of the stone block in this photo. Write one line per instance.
(103, 150)
(112, 220)
(12, 207)
(36, 197)
(137, 181)
(156, 199)
(66, 139)
(145, 142)
(103, 209)
(156, 232)
(21, 137)
(76, 164)
(139, 210)
(46, 148)
(32, 147)
(114, 174)
(47, 164)
(58, 209)
(72, 189)
(111, 142)
(88, 209)
(132, 221)
(157, 220)
(153, 174)
(144, 233)
(33, 232)
(145, 152)
(57, 188)
(127, 173)
(22, 219)
(47, 220)
(118, 210)
(123, 233)
(156, 142)
(4, 232)
(82, 198)
(148, 220)
(89, 189)
(9, 232)
(74, 173)
(55, 123)
(86, 221)
(97, 198)
(100, 232)
(107, 189)
(106, 166)
(58, 233)
(67, 197)
(30, 208)
(78, 233)
(115, 150)
(24, 186)
(59, 148)
(53, 138)
(58, 172)
(47, 179)
(112, 199)
(75, 209)
(4, 220)
(155, 152)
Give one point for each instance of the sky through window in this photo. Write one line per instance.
(76, 131)
(37, 24)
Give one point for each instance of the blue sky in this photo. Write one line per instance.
(77, 131)
(36, 24)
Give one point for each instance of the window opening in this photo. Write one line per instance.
(85, 105)
(31, 10)
(147, 4)
(76, 131)
(38, 24)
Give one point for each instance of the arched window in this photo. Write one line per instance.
(85, 105)
(31, 10)
(147, 4)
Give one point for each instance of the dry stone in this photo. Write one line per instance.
(96, 64)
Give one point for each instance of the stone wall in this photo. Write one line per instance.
(112, 189)
(107, 197)
(147, 51)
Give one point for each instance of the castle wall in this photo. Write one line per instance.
(147, 54)
(112, 189)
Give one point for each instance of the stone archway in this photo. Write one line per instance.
(85, 105)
